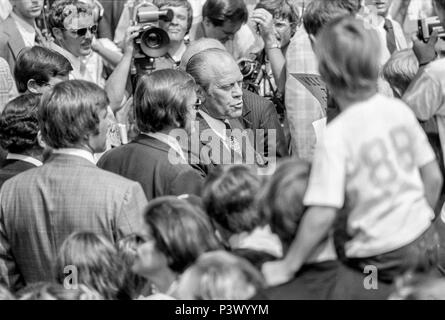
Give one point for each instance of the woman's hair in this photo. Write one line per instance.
(220, 275)
(229, 194)
(161, 99)
(348, 57)
(71, 111)
(19, 124)
(281, 198)
(127, 249)
(94, 262)
(181, 231)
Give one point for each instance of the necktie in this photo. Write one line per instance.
(390, 36)
(233, 143)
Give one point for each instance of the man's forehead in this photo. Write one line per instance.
(75, 20)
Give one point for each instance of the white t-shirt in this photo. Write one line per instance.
(370, 161)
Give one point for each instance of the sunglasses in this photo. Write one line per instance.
(83, 31)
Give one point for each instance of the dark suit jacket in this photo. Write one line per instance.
(41, 207)
(213, 152)
(11, 168)
(11, 42)
(260, 113)
(146, 160)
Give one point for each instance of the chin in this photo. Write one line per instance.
(85, 52)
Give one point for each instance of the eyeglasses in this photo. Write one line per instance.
(83, 31)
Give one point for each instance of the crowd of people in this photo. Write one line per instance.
(269, 150)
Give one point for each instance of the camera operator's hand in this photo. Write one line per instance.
(425, 52)
(130, 35)
(265, 23)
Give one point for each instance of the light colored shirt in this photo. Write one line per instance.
(76, 152)
(260, 239)
(27, 31)
(89, 68)
(21, 157)
(398, 32)
(369, 160)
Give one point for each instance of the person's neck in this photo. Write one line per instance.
(30, 21)
(175, 47)
(36, 153)
(345, 102)
(163, 279)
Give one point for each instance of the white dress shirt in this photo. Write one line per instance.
(27, 31)
(21, 157)
(76, 152)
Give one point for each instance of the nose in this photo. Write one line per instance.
(89, 34)
(237, 90)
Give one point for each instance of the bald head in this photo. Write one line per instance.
(198, 46)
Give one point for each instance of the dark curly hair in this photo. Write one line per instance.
(60, 9)
(19, 124)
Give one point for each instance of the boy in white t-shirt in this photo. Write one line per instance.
(375, 163)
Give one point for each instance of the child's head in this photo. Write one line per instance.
(400, 70)
(348, 56)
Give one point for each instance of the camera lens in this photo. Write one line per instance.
(153, 40)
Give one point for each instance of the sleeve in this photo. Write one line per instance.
(130, 218)
(188, 182)
(326, 186)
(424, 96)
(270, 121)
(9, 272)
(423, 152)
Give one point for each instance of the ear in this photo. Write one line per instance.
(58, 34)
(206, 21)
(33, 87)
(201, 94)
(40, 140)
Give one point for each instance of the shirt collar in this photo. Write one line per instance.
(216, 125)
(76, 152)
(178, 54)
(24, 24)
(168, 140)
(21, 157)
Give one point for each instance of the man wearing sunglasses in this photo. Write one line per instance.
(73, 27)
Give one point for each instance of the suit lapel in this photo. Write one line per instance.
(15, 42)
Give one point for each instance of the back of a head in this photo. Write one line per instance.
(220, 275)
(49, 291)
(400, 70)
(320, 12)
(220, 11)
(161, 100)
(205, 65)
(39, 64)
(280, 200)
(70, 111)
(19, 124)
(229, 194)
(93, 261)
(348, 57)
(181, 231)
(198, 46)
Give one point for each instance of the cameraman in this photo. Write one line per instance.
(277, 21)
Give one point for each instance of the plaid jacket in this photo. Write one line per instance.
(41, 207)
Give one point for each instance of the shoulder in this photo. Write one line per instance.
(254, 101)
(436, 70)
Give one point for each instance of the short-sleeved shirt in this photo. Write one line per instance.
(370, 160)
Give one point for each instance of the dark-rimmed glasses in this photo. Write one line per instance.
(83, 31)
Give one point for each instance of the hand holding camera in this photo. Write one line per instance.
(265, 23)
(425, 52)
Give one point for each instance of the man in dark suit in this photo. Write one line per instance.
(221, 116)
(40, 207)
(155, 158)
(19, 128)
(19, 30)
